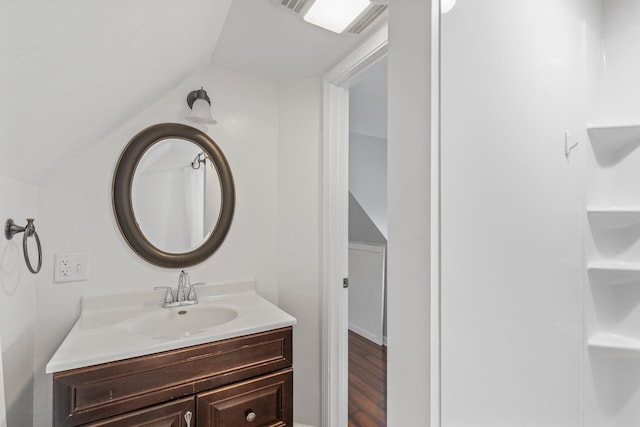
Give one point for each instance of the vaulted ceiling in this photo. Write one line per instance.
(264, 39)
(72, 71)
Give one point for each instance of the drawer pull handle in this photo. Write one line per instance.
(251, 416)
(187, 418)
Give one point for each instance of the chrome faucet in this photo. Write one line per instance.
(185, 293)
(184, 277)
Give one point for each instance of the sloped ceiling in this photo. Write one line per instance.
(71, 71)
(264, 39)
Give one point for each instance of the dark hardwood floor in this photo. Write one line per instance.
(367, 383)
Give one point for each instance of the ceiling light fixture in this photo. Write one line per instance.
(200, 106)
(335, 15)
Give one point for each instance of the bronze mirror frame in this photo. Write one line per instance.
(123, 204)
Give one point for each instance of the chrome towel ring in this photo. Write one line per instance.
(10, 228)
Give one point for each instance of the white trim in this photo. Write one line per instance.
(435, 260)
(3, 410)
(349, 71)
(366, 334)
(334, 297)
(334, 224)
(369, 247)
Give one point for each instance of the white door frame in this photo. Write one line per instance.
(335, 193)
(335, 224)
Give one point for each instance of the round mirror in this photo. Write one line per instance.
(173, 195)
(176, 195)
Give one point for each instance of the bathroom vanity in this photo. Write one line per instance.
(147, 365)
(221, 356)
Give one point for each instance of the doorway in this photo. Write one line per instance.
(367, 231)
(413, 210)
(335, 239)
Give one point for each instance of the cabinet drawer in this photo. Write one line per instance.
(265, 402)
(170, 414)
(97, 392)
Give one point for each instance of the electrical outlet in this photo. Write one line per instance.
(71, 267)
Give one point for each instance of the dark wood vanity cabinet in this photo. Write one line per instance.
(235, 382)
(170, 414)
(263, 401)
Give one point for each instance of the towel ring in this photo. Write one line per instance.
(10, 228)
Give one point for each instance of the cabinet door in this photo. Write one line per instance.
(179, 413)
(265, 401)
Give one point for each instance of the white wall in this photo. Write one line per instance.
(76, 213)
(408, 261)
(619, 89)
(368, 99)
(17, 295)
(514, 78)
(298, 246)
(368, 176)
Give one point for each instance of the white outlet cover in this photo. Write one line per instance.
(71, 267)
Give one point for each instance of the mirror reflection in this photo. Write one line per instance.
(176, 195)
(173, 195)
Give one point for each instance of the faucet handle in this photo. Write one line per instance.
(168, 297)
(192, 291)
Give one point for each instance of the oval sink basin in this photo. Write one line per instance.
(181, 320)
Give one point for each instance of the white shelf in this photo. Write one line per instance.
(614, 273)
(614, 137)
(615, 346)
(614, 216)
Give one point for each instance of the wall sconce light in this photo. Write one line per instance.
(200, 106)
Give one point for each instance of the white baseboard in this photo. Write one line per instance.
(366, 334)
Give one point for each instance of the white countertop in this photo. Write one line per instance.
(103, 332)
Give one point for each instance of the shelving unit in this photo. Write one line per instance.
(615, 346)
(612, 276)
(613, 137)
(614, 216)
(614, 273)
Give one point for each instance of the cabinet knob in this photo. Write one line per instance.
(251, 416)
(187, 418)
